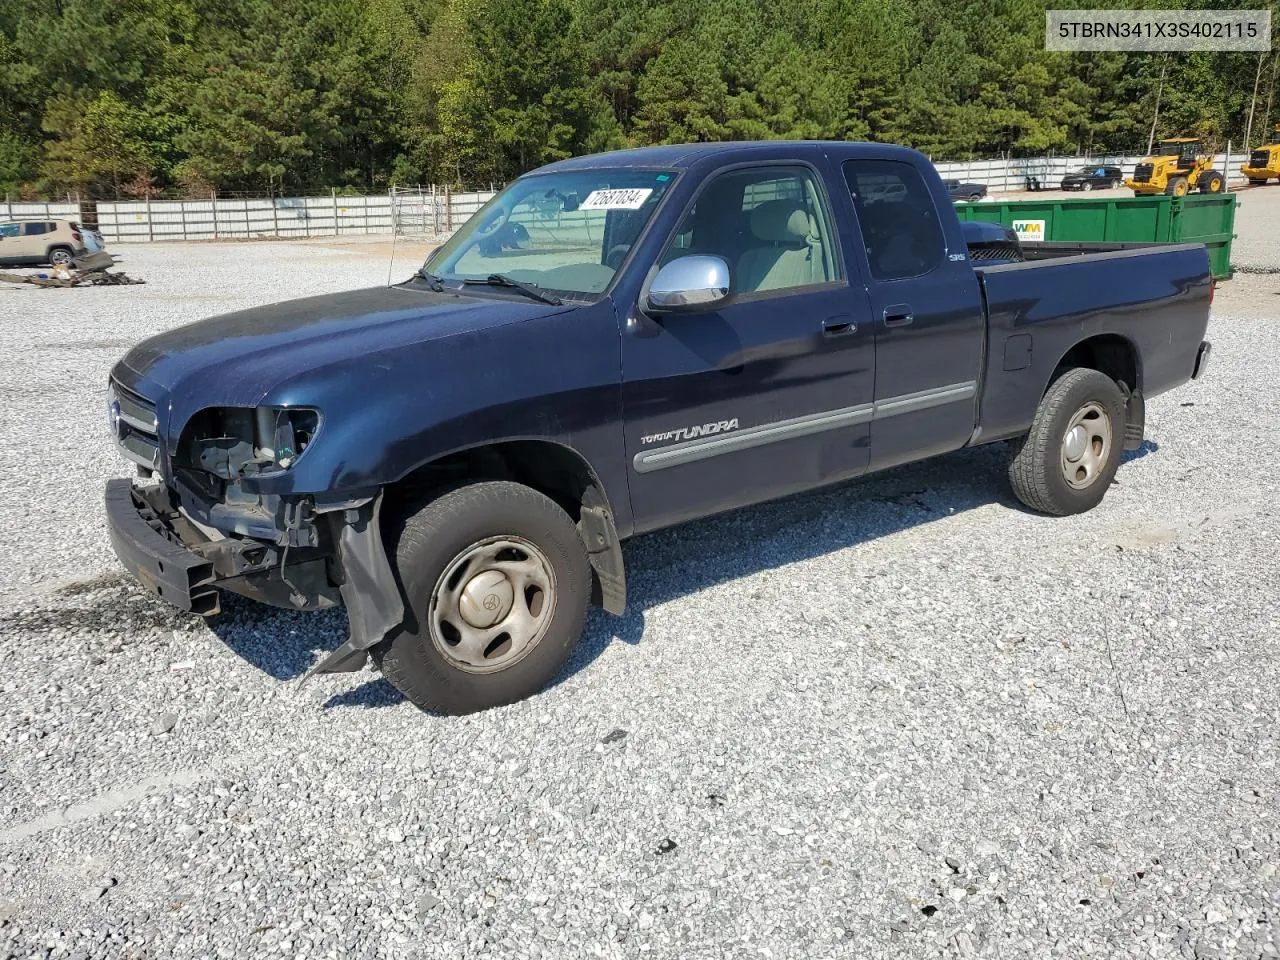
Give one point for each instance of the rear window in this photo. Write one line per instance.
(899, 221)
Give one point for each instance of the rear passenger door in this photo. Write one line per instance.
(33, 246)
(926, 310)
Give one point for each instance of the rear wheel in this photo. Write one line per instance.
(496, 581)
(61, 256)
(1070, 456)
(1177, 187)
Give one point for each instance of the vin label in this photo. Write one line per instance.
(1157, 30)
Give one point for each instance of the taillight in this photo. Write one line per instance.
(75, 236)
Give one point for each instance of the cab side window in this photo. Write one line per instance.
(898, 218)
(770, 224)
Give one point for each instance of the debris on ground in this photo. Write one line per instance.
(89, 270)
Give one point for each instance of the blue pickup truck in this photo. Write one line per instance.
(612, 345)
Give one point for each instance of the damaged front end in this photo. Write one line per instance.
(195, 523)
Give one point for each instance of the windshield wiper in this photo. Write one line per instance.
(528, 289)
(433, 282)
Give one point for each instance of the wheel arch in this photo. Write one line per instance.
(1117, 357)
(554, 469)
(1108, 353)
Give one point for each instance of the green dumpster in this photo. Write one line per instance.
(1107, 223)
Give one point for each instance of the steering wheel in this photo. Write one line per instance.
(617, 253)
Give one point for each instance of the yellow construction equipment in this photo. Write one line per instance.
(1264, 162)
(1177, 167)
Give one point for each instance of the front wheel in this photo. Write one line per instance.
(1177, 187)
(495, 581)
(1070, 456)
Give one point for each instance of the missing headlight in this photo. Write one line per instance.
(232, 442)
(282, 435)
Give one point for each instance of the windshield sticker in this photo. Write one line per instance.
(631, 199)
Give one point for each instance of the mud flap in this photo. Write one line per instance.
(604, 550)
(1135, 420)
(369, 590)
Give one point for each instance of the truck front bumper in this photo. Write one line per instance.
(172, 559)
(152, 552)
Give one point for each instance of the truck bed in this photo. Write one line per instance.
(1149, 300)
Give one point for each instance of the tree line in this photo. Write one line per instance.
(133, 98)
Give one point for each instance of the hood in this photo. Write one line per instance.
(236, 358)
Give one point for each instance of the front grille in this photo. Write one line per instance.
(137, 432)
(1142, 173)
(1260, 159)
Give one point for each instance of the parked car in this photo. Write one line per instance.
(38, 242)
(457, 458)
(1093, 177)
(959, 190)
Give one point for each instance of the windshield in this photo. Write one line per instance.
(1169, 149)
(564, 232)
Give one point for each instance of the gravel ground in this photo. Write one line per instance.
(902, 718)
(1255, 249)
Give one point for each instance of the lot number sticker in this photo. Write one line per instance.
(615, 199)
(1029, 230)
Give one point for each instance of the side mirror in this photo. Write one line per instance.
(688, 285)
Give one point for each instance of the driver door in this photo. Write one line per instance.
(769, 393)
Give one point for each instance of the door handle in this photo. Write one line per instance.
(898, 315)
(838, 327)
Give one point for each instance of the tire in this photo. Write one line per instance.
(1040, 462)
(975, 197)
(1211, 181)
(1087, 186)
(60, 256)
(448, 539)
(1177, 187)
